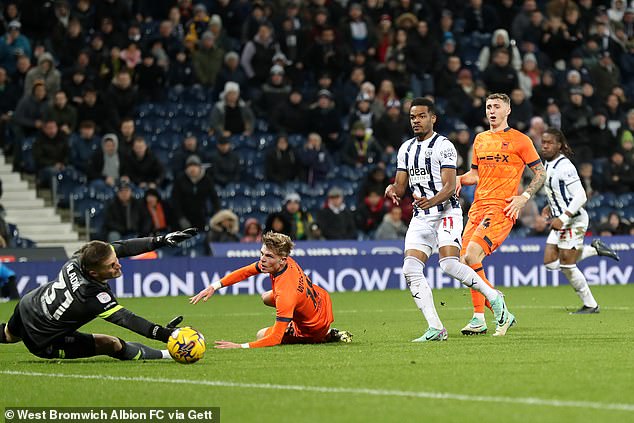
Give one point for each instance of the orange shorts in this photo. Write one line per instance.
(294, 336)
(487, 228)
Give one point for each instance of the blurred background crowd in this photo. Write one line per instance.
(243, 116)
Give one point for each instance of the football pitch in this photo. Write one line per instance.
(551, 366)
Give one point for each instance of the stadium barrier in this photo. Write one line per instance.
(339, 267)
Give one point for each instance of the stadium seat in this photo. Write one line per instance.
(268, 205)
(240, 205)
(28, 163)
(296, 140)
(627, 199)
(64, 183)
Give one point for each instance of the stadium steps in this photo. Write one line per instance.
(35, 220)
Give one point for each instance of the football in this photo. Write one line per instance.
(186, 345)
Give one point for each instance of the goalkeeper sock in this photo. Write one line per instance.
(136, 351)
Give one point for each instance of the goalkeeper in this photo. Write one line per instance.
(47, 318)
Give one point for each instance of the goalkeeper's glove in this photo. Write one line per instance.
(163, 333)
(174, 238)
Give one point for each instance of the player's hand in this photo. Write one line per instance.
(174, 238)
(458, 185)
(422, 203)
(390, 193)
(173, 324)
(226, 345)
(204, 295)
(556, 224)
(516, 203)
(546, 212)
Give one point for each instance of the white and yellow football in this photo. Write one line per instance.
(186, 345)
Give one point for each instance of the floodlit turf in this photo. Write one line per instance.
(551, 367)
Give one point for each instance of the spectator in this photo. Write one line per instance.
(605, 75)
(105, 164)
(613, 225)
(281, 163)
(500, 41)
(252, 231)
(392, 128)
(521, 111)
(232, 71)
(94, 107)
(181, 71)
(83, 146)
(274, 92)
(619, 175)
(63, 113)
(194, 197)
(9, 96)
(375, 180)
(335, 220)
(314, 232)
(422, 55)
(189, 147)
(576, 119)
(277, 222)
(590, 181)
(536, 131)
(480, 18)
(124, 216)
(44, 71)
(540, 227)
(225, 162)
(230, 115)
(546, 92)
(142, 167)
(461, 139)
(30, 112)
(370, 212)
(325, 54)
(207, 60)
(530, 74)
(122, 94)
(314, 159)
(626, 146)
(361, 149)
(299, 219)
(127, 134)
(150, 78)
(257, 55)
(362, 112)
(160, 213)
(500, 76)
(392, 226)
(75, 85)
(13, 45)
(291, 115)
(324, 120)
(51, 152)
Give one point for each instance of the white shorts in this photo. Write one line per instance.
(427, 233)
(572, 236)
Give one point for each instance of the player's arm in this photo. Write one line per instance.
(579, 198)
(517, 202)
(125, 318)
(448, 178)
(135, 246)
(285, 306)
(396, 191)
(233, 277)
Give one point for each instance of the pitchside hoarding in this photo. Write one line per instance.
(339, 267)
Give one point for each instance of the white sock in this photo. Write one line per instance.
(553, 265)
(587, 251)
(467, 276)
(418, 286)
(579, 283)
(479, 316)
(166, 354)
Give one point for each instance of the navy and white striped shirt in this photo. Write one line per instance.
(423, 161)
(560, 173)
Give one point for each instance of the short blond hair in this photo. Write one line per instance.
(500, 96)
(278, 243)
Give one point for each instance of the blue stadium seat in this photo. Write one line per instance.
(28, 163)
(240, 205)
(65, 183)
(268, 205)
(627, 199)
(296, 140)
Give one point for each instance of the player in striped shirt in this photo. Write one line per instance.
(427, 164)
(566, 197)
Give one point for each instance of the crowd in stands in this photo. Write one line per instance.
(188, 109)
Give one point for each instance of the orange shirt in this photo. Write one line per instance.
(500, 158)
(296, 299)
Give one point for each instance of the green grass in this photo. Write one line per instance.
(550, 355)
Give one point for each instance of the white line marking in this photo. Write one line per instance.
(342, 390)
